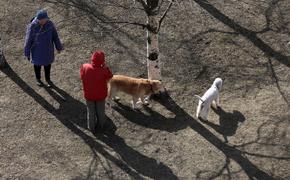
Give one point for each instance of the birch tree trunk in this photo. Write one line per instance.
(153, 61)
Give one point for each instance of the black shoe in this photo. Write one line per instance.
(49, 83)
(107, 128)
(39, 83)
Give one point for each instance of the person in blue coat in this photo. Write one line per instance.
(41, 38)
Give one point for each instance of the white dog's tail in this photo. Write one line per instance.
(200, 106)
(199, 98)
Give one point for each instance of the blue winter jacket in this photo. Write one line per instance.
(40, 42)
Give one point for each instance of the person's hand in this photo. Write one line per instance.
(60, 51)
(28, 58)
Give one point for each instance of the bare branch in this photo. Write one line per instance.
(164, 14)
(125, 22)
(115, 4)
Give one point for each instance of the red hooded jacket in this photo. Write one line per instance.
(95, 77)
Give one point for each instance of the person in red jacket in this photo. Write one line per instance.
(95, 77)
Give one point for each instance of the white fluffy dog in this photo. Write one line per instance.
(211, 96)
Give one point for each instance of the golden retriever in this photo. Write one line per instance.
(137, 88)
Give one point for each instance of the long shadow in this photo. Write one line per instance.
(249, 34)
(220, 173)
(228, 122)
(252, 171)
(96, 17)
(72, 120)
(277, 82)
(69, 109)
(148, 166)
(153, 120)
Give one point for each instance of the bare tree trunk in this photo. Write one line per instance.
(153, 61)
(152, 8)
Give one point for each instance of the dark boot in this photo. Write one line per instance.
(47, 76)
(49, 83)
(39, 83)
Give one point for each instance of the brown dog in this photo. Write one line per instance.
(138, 88)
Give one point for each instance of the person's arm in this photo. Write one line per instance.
(28, 41)
(56, 39)
(109, 73)
(82, 72)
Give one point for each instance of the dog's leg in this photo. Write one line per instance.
(134, 102)
(112, 94)
(116, 98)
(147, 98)
(205, 112)
(214, 104)
(109, 97)
(144, 100)
(218, 102)
(198, 109)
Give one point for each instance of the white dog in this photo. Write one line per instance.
(211, 96)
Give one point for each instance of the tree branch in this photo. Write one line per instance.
(125, 22)
(164, 14)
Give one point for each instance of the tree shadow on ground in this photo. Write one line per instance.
(148, 166)
(228, 122)
(153, 120)
(73, 119)
(252, 171)
(224, 172)
(249, 34)
(158, 121)
(277, 82)
(253, 37)
(96, 20)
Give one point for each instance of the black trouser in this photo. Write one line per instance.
(37, 70)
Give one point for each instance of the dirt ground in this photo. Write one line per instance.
(43, 134)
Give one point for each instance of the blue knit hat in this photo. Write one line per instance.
(41, 14)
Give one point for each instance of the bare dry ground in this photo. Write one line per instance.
(43, 133)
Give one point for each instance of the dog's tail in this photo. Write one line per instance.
(200, 106)
(199, 98)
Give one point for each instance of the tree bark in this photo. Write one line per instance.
(153, 61)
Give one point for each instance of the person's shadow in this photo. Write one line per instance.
(228, 122)
(69, 108)
(71, 113)
(149, 167)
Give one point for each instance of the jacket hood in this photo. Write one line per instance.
(218, 83)
(98, 59)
